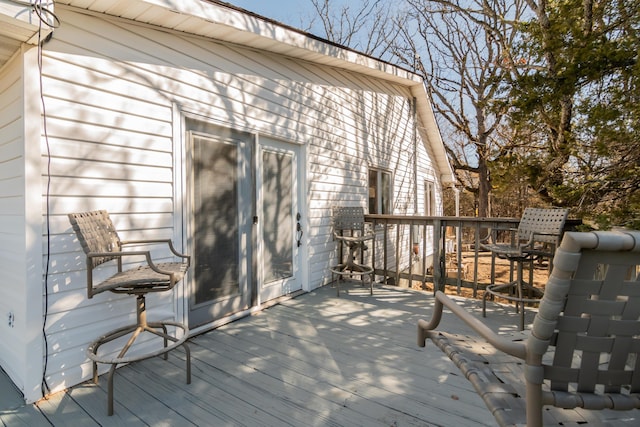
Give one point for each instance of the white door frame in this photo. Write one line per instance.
(182, 212)
(278, 288)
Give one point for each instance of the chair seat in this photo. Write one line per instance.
(506, 250)
(499, 379)
(143, 279)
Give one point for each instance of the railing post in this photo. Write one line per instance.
(459, 263)
(476, 250)
(373, 249)
(386, 253)
(397, 256)
(438, 282)
(424, 256)
(411, 238)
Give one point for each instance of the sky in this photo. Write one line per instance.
(290, 12)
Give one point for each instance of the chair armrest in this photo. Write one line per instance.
(530, 246)
(489, 240)
(546, 234)
(154, 241)
(554, 235)
(516, 349)
(504, 249)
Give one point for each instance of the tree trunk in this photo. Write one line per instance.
(484, 190)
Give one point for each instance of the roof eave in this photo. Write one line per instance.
(431, 133)
(225, 22)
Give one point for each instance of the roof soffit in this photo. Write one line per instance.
(20, 24)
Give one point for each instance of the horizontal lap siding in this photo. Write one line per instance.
(12, 221)
(110, 135)
(110, 89)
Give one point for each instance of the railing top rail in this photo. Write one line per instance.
(468, 221)
(441, 219)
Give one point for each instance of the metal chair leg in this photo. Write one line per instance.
(112, 371)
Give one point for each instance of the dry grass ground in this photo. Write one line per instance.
(502, 274)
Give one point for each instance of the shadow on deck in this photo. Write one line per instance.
(315, 360)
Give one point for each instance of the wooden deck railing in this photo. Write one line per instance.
(407, 247)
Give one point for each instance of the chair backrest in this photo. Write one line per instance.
(591, 309)
(546, 224)
(348, 219)
(96, 233)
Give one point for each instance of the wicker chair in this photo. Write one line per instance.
(538, 234)
(101, 244)
(582, 350)
(350, 229)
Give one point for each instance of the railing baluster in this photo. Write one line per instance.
(396, 266)
(424, 256)
(438, 282)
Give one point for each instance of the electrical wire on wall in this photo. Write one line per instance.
(41, 10)
(45, 18)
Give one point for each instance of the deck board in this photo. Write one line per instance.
(13, 411)
(315, 360)
(367, 364)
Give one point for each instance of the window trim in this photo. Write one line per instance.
(429, 197)
(380, 206)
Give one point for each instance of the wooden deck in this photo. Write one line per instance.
(316, 360)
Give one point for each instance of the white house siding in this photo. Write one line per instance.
(12, 179)
(385, 141)
(20, 222)
(112, 89)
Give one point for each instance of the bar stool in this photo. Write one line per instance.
(538, 234)
(101, 243)
(351, 220)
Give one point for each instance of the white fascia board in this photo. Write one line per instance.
(431, 131)
(19, 21)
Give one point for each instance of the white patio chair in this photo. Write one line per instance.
(582, 350)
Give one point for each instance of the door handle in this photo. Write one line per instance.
(299, 231)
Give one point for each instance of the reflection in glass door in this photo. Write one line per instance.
(220, 230)
(280, 223)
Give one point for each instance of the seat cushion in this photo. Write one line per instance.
(143, 279)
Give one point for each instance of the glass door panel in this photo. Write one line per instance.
(278, 215)
(220, 230)
(281, 228)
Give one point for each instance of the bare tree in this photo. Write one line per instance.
(461, 48)
(365, 26)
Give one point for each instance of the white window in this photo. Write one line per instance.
(429, 198)
(379, 192)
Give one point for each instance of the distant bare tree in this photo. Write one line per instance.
(365, 26)
(461, 48)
